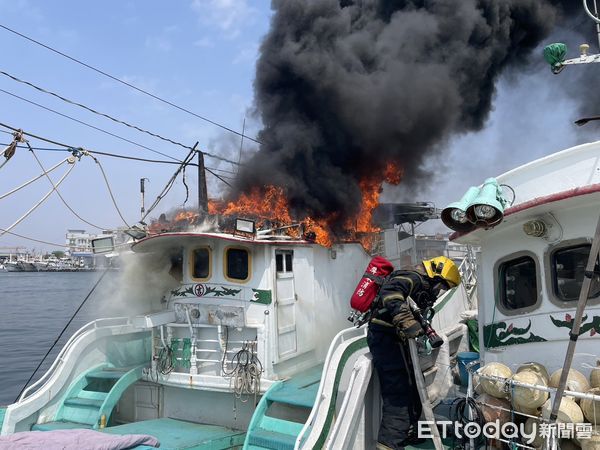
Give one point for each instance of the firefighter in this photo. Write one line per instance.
(391, 324)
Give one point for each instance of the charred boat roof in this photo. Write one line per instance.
(165, 241)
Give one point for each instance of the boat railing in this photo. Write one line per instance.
(339, 339)
(118, 321)
(350, 411)
(509, 383)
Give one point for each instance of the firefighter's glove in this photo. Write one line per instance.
(406, 325)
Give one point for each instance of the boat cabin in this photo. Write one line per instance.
(531, 265)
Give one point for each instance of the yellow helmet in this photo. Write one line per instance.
(443, 268)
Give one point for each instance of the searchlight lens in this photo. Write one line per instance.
(485, 211)
(458, 215)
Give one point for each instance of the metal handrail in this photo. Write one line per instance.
(550, 390)
(59, 359)
(335, 343)
(359, 374)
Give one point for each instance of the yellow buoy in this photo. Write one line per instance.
(495, 387)
(576, 381)
(529, 398)
(591, 408)
(537, 368)
(595, 376)
(569, 411)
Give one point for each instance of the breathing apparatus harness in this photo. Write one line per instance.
(422, 309)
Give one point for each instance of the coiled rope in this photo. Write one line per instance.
(246, 372)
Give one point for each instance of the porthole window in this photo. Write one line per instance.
(518, 286)
(201, 263)
(568, 271)
(237, 264)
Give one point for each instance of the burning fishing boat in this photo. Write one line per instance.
(249, 346)
(235, 354)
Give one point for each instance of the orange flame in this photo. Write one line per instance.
(188, 216)
(271, 205)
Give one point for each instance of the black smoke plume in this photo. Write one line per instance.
(345, 86)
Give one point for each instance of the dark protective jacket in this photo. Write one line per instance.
(393, 305)
(392, 318)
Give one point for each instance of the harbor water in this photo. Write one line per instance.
(34, 308)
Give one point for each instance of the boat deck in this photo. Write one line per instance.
(180, 435)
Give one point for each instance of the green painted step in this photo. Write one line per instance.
(58, 425)
(274, 440)
(301, 390)
(273, 433)
(84, 402)
(91, 396)
(108, 373)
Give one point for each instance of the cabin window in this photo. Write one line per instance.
(201, 263)
(568, 269)
(237, 264)
(518, 283)
(283, 261)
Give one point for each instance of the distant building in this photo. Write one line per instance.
(78, 242)
(79, 246)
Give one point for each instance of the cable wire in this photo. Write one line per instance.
(171, 181)
(115, 155)
(87, 124)
(132, 86)
(59, 194)
(34, 207)
(210, 155)
(87, 108)
(31, 239)
(218, 176)
(63, 331)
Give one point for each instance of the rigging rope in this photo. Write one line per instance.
(34, 207)
(109, 189)
(27, 183)
(60, 195)
(9, 151)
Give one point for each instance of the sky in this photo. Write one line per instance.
(200, 55)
